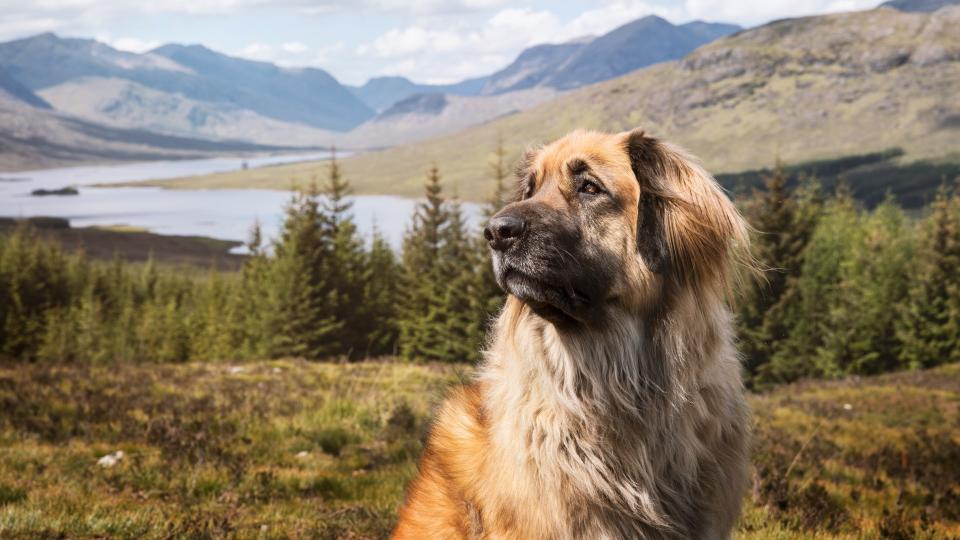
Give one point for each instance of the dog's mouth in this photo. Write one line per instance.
(559, 303)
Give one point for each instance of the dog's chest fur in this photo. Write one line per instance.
(608, 438)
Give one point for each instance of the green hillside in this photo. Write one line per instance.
(809, 89)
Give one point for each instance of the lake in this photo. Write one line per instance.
(226, 214)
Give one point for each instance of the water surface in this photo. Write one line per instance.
(227, 214)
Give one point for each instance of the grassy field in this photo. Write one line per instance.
(303, 450)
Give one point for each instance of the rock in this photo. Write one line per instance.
(110, 460)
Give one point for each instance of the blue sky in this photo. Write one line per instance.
(427, 40)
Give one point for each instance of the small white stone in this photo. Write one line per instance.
(233, 370)
(263, 528)
(303, 454)
(847, 407)
(277, 370)
(110, 460)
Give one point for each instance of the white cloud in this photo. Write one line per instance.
(294, 47)
(440, 53)
(752, 12)
(617, 13)
(129, 44)
(258, 51)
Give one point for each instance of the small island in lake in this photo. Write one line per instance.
(61, 191)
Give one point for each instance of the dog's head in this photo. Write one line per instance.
(612, 220)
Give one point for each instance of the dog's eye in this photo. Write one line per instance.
(590, 188)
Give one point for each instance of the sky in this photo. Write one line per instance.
(429, 41)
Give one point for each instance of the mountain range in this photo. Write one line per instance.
(192, 92)
(564, 66)
(871, 94)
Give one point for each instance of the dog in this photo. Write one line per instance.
(610, 402)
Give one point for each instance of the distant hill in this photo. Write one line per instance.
(183, 72)
(924, 6)
(379, 93)
(564, 66)
(13, 89)
(635, 45)
(533, 67)
(801, 90)
(422, 116)
(33, 137)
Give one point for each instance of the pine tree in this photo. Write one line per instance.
(345, 271)
(464, 328)
(301, 318)
(810, 295)
(930, 323)
(784, 223)
(252, 303)
(489, 297)
(423, 315)
(380, 297)
(859, 333)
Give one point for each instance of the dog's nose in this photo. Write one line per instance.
(503, 231)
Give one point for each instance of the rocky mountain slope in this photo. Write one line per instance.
(637, 44)
(189, 73)
(33, 137)
(799, 90)
(563, 66)
(12, 89)
(126, 104)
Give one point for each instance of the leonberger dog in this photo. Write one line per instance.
(609, 403)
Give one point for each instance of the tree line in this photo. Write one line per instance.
(319, 291)
(844, 290)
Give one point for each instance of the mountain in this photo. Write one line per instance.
(307, 95)
(923, 6)
(379, 93)
(814, 88)
(34, 137)
(533, 67)
(422, 116)
(637, 44)
(303, 96)
(125, 104)
(564, 66)
(12, 88)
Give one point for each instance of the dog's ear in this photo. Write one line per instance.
(651, 238)
(687, 228)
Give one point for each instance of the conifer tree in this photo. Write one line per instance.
(489, 297)
(930, 323)
(784, 223)
(301, 318)
(345, 271)
(380, 297)
(803, 319)
(464, 328)
(423, 315)
(859, 332)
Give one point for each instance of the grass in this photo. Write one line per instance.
(289, 449)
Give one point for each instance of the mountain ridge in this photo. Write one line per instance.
(799, 90)
(310, 96)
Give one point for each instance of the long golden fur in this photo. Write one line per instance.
(610, 403)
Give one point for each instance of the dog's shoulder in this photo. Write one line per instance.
(439, 502)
